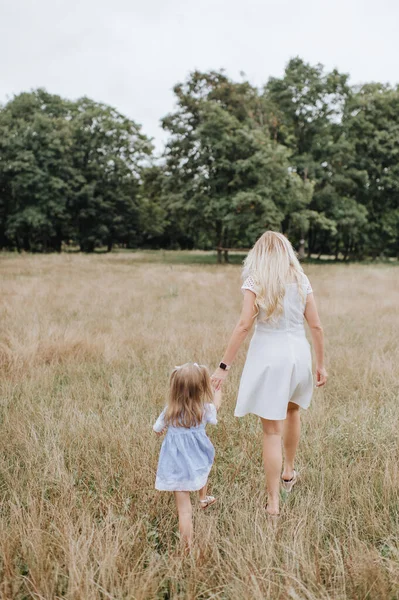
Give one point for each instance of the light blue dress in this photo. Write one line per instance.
(186, 455)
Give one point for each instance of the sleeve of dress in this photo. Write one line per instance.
(248, 284)
(159, 424)
(211, 414)
(308, 287)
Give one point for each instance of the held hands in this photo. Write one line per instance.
(321, 376)
(159, 433)
(218, 378)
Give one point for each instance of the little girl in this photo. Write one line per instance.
(187, 453)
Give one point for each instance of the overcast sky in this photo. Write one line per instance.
(130, 53)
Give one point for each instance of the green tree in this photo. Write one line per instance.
(108, 155)
(153, 214)
(305, 106)
(35, 173)
(308, 155)
(371, 124)
(226, 180)
(309, 108)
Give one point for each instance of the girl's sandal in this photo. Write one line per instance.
(288, 484)
(207, 501)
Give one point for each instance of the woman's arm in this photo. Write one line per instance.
(316, 330)
(239, 334)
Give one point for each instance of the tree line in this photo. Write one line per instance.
(309, 155)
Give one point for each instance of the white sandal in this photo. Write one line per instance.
(207, 501)
(289, 484)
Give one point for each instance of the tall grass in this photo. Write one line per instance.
(87, 344)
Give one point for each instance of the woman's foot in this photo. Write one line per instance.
(288, 480)
(207, 501)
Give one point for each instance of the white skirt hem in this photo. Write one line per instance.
(269, 418)
(181, 486)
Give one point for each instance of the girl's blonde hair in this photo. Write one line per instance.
(272, 263)
(190, 388)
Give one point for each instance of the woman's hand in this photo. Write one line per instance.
(218, 378)
(321, 376)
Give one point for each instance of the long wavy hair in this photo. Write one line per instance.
(272, 263)
(190, 388)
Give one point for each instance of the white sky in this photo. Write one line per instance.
(130, 53)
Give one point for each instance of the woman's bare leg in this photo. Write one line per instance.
(291, 435)
(185, 512)
(272, 460)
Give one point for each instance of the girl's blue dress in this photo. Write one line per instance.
(186, 456)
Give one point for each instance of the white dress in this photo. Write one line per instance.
(278, 368)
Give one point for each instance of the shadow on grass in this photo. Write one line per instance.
(187, 257)
(173, 257)
(193, 257)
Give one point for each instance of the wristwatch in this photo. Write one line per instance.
(225, 367)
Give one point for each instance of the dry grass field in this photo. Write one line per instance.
(87, 343)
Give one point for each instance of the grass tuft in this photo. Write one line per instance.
(86, 348)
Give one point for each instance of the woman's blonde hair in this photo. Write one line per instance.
(272, 263)
(190, 388)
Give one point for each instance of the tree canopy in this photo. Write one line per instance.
(308, 155)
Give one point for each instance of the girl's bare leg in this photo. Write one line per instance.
(185, 512)
(272, 460)
(291, 435)
(202, 492)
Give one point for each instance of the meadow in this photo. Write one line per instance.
(86, 347)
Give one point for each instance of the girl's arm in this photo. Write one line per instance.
(316, 330)
(217, 399)
(239, 334)
(211, 415)
(159, 426)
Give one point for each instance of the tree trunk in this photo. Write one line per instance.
(347, 249)
(311, 242)
(219, 236)
(88, 247)
(226, 256)
(301, 249)
(109, 246)
(337, 250)
(58, 244)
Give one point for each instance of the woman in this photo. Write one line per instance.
(277, 376)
